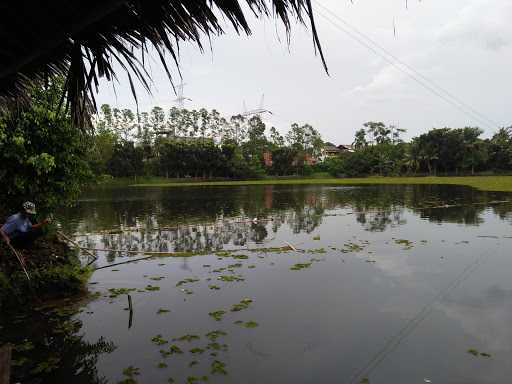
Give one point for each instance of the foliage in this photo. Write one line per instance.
(42, 155)
(196, 143)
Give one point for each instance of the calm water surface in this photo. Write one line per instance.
(399, 282)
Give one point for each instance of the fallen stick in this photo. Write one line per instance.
(291, 246)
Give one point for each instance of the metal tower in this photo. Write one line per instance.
(180, 100)
(257, 111)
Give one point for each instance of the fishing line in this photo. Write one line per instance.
(405, 68)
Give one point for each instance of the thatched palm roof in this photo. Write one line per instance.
(81, 40)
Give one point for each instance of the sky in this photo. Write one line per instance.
(458, 52)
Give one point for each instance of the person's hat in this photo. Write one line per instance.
(29, 207)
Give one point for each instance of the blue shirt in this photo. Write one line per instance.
(16, 223)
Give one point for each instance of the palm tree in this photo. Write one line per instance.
(83, 41)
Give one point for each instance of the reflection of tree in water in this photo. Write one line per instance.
(380, 220)
(198, 219)
(56, 351)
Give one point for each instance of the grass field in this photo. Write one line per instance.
(484, 183)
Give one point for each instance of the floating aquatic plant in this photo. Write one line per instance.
(185, 281)
(162, 310)
(158, 340)
(240, 257)
(131, 371)
(299, 266)
(217, 315)
(194, 379)
(214, 287)
(157, 278)
(406, 243)
(114, 292)
(214, 335)
(218, 367)
(317, 250)
(174, 349)
(352, 247)
(197, 351)
(217, 346)
(223, 253)
(244, 304)
(250, 324)
(247, 324)
(193, 362)
(150, 287)
(161, 365)
(230, 278)
(188, 338)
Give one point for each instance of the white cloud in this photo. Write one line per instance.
(485, 23)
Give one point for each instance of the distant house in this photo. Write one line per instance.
(330, 150)
(267, 159)
(346, 148)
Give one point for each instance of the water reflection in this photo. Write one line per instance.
(211, 219)
(52, 348)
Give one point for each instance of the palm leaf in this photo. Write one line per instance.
(84, 41)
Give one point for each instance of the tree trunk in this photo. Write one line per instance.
(5, 364)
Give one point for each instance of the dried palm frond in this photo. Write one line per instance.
(84, 41)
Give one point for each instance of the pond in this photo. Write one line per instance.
(283, 284)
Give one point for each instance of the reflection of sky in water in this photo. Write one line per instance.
(323, 323)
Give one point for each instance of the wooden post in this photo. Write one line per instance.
(130, 308)
(5, 364)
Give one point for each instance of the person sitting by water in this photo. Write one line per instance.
(19, 230)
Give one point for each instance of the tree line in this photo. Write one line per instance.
(197, 143)
(380, 150)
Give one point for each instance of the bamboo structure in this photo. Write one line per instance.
(94, 257)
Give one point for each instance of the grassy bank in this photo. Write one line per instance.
(54, 269)
(484, 183)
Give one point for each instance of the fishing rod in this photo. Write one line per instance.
(20, 259)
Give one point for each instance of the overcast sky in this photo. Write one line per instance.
(463, 46)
